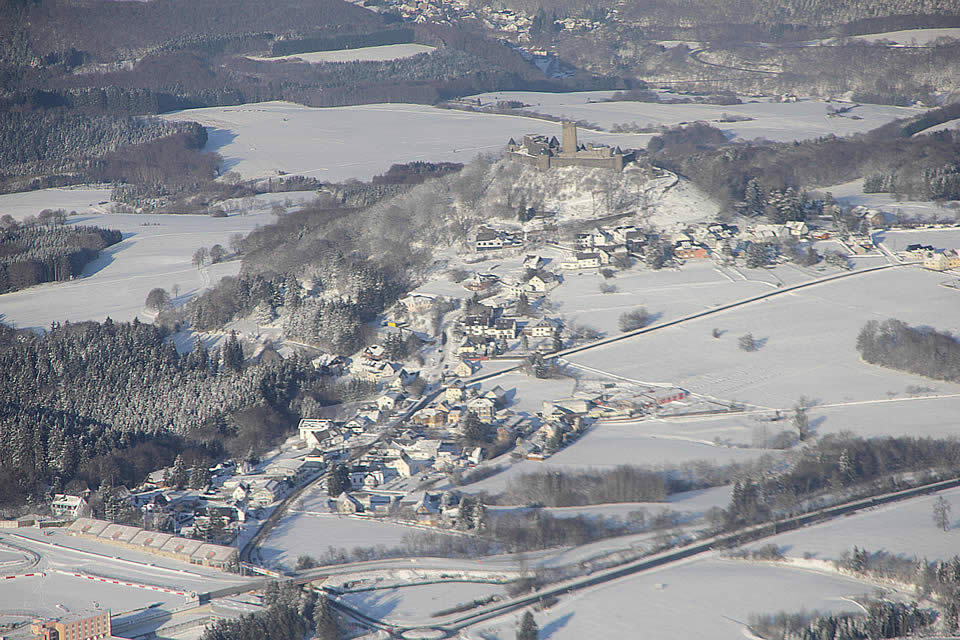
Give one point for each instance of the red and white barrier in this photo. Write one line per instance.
(124, 583)
(38, 574)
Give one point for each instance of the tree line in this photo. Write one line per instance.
(883, 619)
(923, 351)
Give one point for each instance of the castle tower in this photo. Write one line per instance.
(569, 137)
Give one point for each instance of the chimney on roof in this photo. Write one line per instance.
(569, 137)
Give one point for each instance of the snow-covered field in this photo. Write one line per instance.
(369, 54)
(706, 598)
(79, 199)
(156, 251)
(610, 445)
(361, 141)
(808, 344)
(943, 238)
(782, 122)
(338, 143)
(313, 533)
(905, 529)
(851, 193)
(911, 37)
(692, 504)
(417, 604)
(665, 294)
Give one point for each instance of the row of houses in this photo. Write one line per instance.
(491, 323)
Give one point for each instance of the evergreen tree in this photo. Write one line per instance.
(528, 629)
(199, 477)
(523, 305)
(753, 198)
(324, 623)
(338, 481)
(654, 256)
(180, 477)
(232, 353)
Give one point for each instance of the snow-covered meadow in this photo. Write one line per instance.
(782, 122)
(85, 200)
(339, 143)
(807, 343)
(156, 251)
(362, 54)
(313, 533)
(705, 598)
(851, 193)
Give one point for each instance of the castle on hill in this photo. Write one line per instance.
(546, 152)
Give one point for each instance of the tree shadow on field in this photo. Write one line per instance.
(555, 625)
(217, 139)
(106, 256)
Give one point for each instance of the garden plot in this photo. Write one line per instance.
(79, 199)
(418, 604)
(782, 122)
(902, 529)
(156, 251)
(362, 54)
(338, 143)
(704, 598)
(807, 344)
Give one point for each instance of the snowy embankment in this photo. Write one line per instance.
(903, 529)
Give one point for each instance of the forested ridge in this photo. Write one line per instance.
(91, 402)
(52, 148)
(31, 254)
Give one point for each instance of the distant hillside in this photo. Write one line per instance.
(99, 31)
(686, 14)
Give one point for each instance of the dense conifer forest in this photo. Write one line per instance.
(31, 254)
(92, 402)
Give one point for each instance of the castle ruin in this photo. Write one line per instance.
(546, 152)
